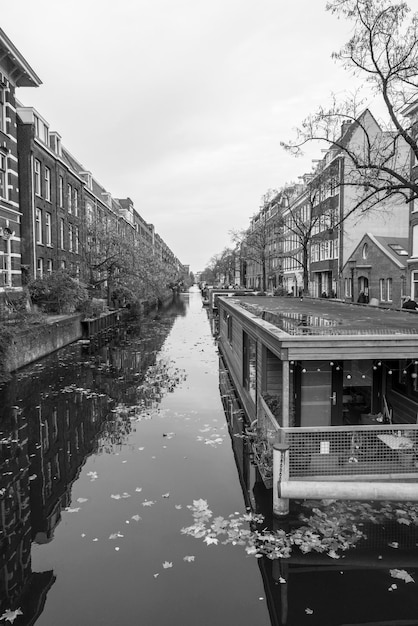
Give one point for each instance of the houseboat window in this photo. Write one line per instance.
(250, 365)
(229, 328)
(404, 376)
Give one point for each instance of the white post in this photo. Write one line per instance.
(280, 474)
(285, 394)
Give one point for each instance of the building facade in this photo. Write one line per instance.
(14, 72)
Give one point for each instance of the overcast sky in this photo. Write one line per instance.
(181, 104)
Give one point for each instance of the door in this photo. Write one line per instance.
(315, 393)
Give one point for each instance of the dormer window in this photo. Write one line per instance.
(365, 251)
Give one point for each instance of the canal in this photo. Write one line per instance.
(125, 499)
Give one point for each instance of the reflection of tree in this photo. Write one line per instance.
(56, 413)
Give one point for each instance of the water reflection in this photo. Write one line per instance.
(55, 414)
(371, 578)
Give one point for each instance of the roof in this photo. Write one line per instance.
(310, 316)
(20, 72)
(395, 247)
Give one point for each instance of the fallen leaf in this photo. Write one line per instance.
(138, 489)
(115, 535)
(211, 540)
(81, 500)
(308, 611)
(167, 564)
(10, 616)
(402, 575)
(136, 517)
(148, 502)
(394, 544)
(69, 510)
(165, 495)
(189, 559)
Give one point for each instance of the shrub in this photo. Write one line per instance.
(57, 293)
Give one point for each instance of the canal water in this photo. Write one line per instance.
(125, 499)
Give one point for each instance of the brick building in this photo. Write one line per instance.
(377, 268)
(14, 72)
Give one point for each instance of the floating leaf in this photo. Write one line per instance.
(81, 500)
(167, 564)
(115, 535)
(308, 611)
(165, 495)
(137, 518)
(188, 559)
(10, 616)
(69, 510)
(402, 575)
(148, 502)
(211, 540)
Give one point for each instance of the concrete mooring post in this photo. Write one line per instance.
(280, 474)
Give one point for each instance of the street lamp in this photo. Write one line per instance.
(352, 265)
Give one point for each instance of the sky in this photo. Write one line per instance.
(181, 104)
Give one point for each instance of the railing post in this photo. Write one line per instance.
(285, 393)
(280, 473)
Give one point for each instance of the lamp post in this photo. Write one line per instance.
(352, 265)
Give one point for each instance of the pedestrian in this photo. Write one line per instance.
(362, 298)
(410, 304)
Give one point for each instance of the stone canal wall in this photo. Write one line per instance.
(32, 343)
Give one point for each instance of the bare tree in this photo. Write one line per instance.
(383, 50)
(256, 243)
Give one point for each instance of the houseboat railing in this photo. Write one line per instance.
(379, 452)
(343, 452)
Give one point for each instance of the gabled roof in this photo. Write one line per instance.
(395, 248)
(19, 71)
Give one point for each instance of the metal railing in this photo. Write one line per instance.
(387, 451)
(340, 452)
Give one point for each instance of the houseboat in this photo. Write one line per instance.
(330, 390)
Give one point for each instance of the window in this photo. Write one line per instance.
(39, 268)
(389, 289)
(76, 202)
(229, 328)
(415, 240)
(3, 176)
(347, 288)
(76, 239)
(70, 238)
(365, 251)
(385, 288)
(63, 264)
(2, 112)
(382, 289)
(62, 242)
(38, 225)
(69, 198)
(47, 184)
(48, 229)
(400, 250)
(250, 365)
(37, 171)
(61, 191)
(49, 266)
(415, 285)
